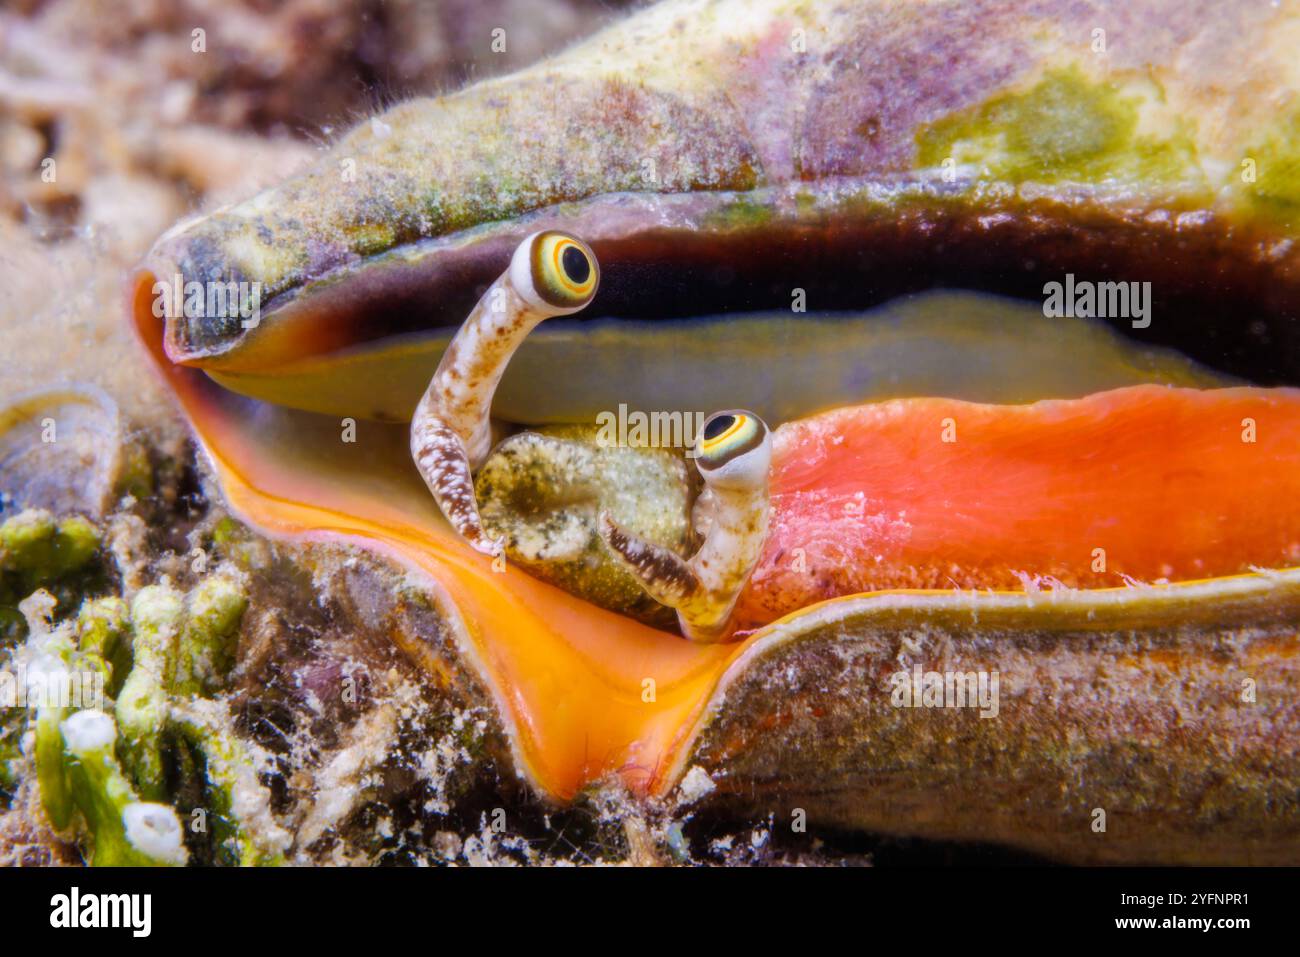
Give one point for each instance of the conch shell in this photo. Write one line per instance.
(718, 157)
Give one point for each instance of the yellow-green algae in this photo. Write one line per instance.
(37, 547)
(103, 629)
(1065, 128)
(1276, 189)
(161, 658)
(38, 550)
(744, 213)
(142, 706)
(106, 799)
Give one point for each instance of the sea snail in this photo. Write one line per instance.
(554, 274)
(734, 456)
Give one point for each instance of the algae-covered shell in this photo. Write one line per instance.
(65, 450)
(719, 157)
(1133, 725)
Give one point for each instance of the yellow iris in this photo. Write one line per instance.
(727, 434)
(565, 271)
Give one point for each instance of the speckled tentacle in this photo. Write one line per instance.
(733, 455)
(550, 274)
(451, 429)
(737, 526)
(665, 575)
(444, 463)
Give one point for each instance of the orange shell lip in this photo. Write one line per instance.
(568, 678)
(585, 693)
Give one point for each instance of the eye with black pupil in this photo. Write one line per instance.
(717, 426)
(575, 264)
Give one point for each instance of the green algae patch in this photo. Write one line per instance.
(742, 214)
(39, 551)
(233, 542)
(39, 548)
(1066, 128)
(367, 239)
(1276, 189)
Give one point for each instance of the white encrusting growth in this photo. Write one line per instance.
(154, 830)
(87, 732)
